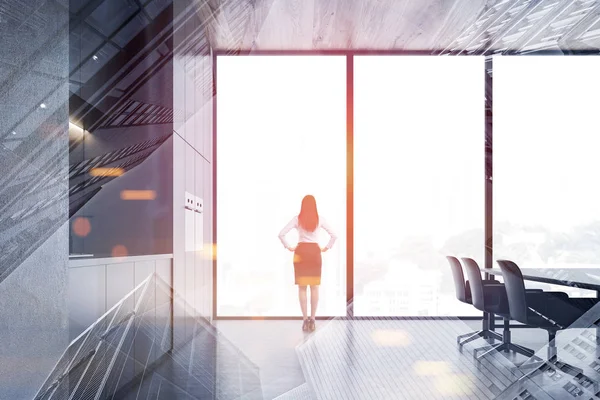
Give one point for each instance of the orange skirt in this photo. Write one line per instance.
(307, 264)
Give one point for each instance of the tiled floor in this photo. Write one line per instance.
(366, 359)
(380, 359)
(390, 359)
(271, 345)
(205, 365)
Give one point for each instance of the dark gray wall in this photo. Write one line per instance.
(33, 288)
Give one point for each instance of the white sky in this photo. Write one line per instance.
(419, 142)
(546, 140)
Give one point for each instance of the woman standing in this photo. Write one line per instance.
(307, 255)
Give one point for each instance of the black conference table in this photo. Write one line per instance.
(583, 278)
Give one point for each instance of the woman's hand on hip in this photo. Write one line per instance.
(324, 249)
(292, 248)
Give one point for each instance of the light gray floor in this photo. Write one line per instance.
(271, 345)
(377, 359)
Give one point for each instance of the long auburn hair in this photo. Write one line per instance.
(308, 218)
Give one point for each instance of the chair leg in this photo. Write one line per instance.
(522, 350)
(466, 334)
(469, 337)
(494, 335)
(459, 338)
(488, 350)
(505, 346)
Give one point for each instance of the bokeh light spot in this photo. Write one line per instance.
(119, 251)
(138, 195)
(82, 226)
(209, 251)
(431, 368)
(391, 338)
(107, 172)
(453, 385)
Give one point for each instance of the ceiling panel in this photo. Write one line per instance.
(82, 42)
(155, 7)
(111, 14)
(94, 64)
(130, 30)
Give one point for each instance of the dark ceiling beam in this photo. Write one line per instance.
(156, 33)
(108, 39)
(164, 24)
(143, 9)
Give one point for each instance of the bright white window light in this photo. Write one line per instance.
(546, 142)
(281, 135)
(418, 181)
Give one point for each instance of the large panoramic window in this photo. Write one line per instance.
(546, 143)
(418, 181)
(281, 134)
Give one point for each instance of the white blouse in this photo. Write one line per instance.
(305, 236)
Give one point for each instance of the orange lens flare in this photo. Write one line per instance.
(107, 171)
(209, 251)
(119, 251)
(138, 195)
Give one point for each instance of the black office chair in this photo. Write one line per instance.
(551, 311)
(463, 294)
(492, 298)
